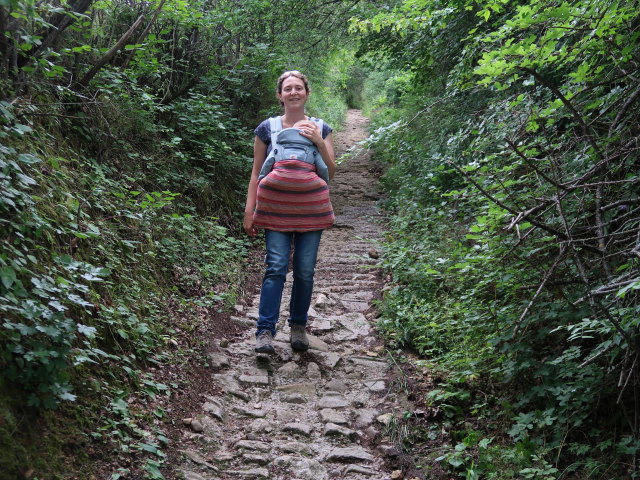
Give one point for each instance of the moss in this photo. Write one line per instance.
(40, 442)
(13, 454)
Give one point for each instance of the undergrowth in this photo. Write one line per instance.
(515, 399)
(93, 252)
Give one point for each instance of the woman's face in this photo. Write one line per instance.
(293, 92)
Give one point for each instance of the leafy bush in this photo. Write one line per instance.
(510, 266)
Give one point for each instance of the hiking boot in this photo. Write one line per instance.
(264, 342)
(299, 340)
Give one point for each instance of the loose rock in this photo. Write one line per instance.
(332, 401)
(349, 454)
(300, 428)
(328, 415)
(301, 388)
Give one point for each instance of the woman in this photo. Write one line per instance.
(292, 205)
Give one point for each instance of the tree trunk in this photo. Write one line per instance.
(106, 58)
(60, 22)
(144, 33)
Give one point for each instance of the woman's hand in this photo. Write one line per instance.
(309, 129)
(248, 224)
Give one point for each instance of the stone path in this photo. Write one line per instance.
(317, 415)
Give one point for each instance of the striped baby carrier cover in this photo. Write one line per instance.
(293, 198)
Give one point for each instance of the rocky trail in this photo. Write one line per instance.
(322, 414)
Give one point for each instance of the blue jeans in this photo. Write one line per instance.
(305, 253)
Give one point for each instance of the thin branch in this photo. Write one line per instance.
(540, 288)
(632, 98)
(567, 103)
(521, 154)
(533, 221)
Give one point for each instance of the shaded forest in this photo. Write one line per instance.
(509, 133)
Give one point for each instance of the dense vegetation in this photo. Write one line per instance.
(511, 134)
(125, 149)
(510, 130)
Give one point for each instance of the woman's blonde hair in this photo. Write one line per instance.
(291, 73)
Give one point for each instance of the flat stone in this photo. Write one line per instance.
(368, 361)
(328, 415)
(260, 425)
(396, 475)
(244, 321)
(294, 398)
(228, 382)
(332, 401)
(344, 335)
(360, 296)
(287, 415)
(336, 386)
(366, 417)
(376, 366)
(249, 412)
(198, 459)
(296, 427)
(313, 370)
(215, 408)
(253, 446)
(255, 458)
(296, 447)
(376, 385)
(352, 306)
(305, 388)
(303, 468)
(321, 326)
(333, 429)
(218, 360)
(316, 344)
(254, 379)
(349, 454)
(239, 394)
(329, 359)
(222, 456)
(355, 322)
(358, 469)
(254, 473)
(290, 369)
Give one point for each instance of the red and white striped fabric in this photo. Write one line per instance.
(293, 198)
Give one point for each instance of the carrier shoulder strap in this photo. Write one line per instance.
(275, 124)
(320, 123)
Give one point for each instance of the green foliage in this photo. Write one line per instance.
(121, 173)
(511, 181)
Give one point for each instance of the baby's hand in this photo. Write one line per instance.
(310, 130)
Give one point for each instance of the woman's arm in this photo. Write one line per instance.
(259, 156)
(310, 130)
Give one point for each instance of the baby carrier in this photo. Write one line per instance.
(287, 144)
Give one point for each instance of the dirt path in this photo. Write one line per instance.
(317, 415)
